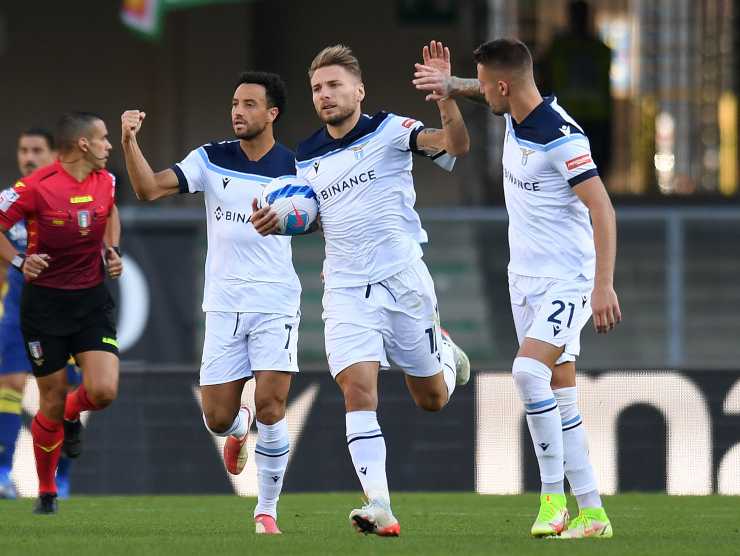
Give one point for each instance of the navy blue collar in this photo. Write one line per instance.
(321, 142)
(229, 155)
(535, 115)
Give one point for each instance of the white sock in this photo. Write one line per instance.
(449, 372)
(553, 488)
(532, 379)
(578, 467)
(238, 428)
(271, 456)
(367, 448)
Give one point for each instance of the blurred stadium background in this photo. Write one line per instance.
(660, 396)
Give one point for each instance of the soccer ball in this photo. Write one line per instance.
(294, 202)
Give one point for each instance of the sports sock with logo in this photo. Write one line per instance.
(10, 426)
(271, 456)
(578, 468)
(532, 379)
(366, 446)
(47, 436)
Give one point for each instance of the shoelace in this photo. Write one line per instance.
(547, 512)
(583, 521)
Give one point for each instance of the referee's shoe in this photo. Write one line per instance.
(46, 504)
(72, 447)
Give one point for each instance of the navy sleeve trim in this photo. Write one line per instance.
(583, 177)
(182, 181)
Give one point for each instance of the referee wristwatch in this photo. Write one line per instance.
(18, 261)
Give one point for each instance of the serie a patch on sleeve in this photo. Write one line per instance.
(7, 198)
(578, 161)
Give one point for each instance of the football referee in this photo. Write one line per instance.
(73, 237)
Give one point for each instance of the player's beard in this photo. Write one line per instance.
(29, 168)
(338, 119)
(250, 132)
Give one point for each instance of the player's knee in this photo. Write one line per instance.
(270, 410)
(431, 401)
(217, 421)
(359, 398)
(103, 396)
(531, 377)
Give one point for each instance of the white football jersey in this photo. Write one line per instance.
(245, 272)
(366, 197)
(545, 156)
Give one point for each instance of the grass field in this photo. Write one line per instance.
(459, 524)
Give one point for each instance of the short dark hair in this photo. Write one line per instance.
(511, 54)
(39, 132)
(275, 90)
(72, 126)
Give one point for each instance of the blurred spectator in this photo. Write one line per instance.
(576, 69)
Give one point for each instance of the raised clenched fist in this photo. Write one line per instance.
(131, 123)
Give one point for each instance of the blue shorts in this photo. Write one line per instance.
(13, 357)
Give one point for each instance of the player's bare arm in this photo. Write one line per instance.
(433, 77)
(147, 185)
(604, 301)
(440, 86)
(453, 137)
(112, 239)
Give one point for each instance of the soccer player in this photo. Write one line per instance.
(252, 293)
(562, 238)
(379, 300)
(35, 150)
(66, 310)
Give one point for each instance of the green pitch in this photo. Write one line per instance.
(451, 524)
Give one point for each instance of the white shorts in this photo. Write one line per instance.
(551, 310)
(237, 344)
(396, 319)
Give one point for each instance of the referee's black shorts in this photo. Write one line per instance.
(57, 324)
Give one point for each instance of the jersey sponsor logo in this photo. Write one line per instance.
(526, 185)
(408, 122)
(7, 198)
(57, 222)
(344, 185)
(581, 160)
(81, 199)
(565, 130)
(525, 155)
(231, 216)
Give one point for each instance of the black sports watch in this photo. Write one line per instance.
(18, 261)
